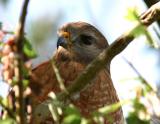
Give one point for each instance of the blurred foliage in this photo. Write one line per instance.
(72, 116)
(42, 29)
(4, 2)
(42, 32)
(8, 121)
(134, 116)
(133, 16)
(134, 119)
(140, 113)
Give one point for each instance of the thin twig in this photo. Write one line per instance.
(19, 44)
(58, 76)
(143, 80)
(7, 32)
(54, 108)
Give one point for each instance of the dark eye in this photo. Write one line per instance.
(85, 39)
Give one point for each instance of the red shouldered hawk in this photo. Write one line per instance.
(78, 44)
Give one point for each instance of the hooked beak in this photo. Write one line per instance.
(63, 39)
(61, 42)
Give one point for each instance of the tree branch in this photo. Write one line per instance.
(147, 18)
(19, 44)
(149, 3)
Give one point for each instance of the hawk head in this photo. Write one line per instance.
(81, 41)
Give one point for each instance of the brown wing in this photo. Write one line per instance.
(43, 79)
(99, 94)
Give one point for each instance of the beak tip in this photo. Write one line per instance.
(61, 42)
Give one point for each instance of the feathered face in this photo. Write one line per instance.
(81, 41)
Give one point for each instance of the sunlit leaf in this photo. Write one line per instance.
(72, 119)
(1, 44)
(3, 101)
(132, 14)
(128, 79)
(142, 30)
(25, 83)
(111, 108)
(72, 115)
(7, 121)
(138, 106)
(139, 30)
(84, 121)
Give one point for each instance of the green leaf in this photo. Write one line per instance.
(139, 30)
(134, 119)
(72, 119)
(132, 14)
(14, 81)
(1, 44)
(3, 101)
(71, 110)
(25, 83)
(85, 121)
(128, 79)
(72, 115)
(7, 121)
(139, 106)
(25, 71)
(111, 108)
(28, 49)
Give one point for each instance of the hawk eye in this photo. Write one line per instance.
(85, 39)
